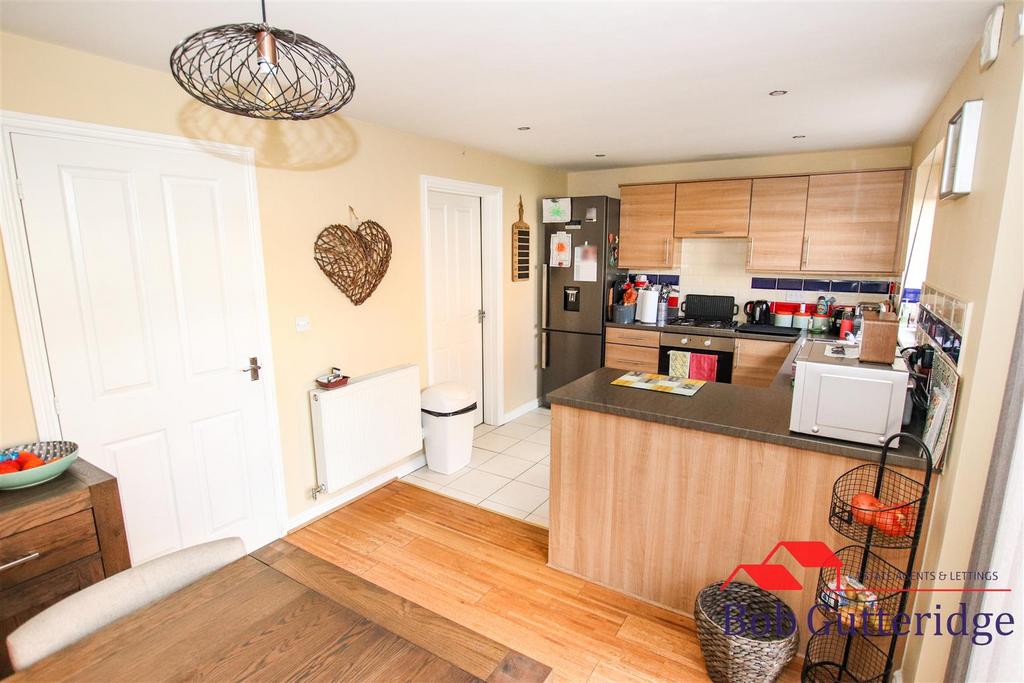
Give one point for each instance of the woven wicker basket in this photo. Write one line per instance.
(744, 658)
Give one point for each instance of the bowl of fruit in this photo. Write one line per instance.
(34, 463)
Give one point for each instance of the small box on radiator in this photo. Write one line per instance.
(365, 427)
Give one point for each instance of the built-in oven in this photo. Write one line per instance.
(721, 347)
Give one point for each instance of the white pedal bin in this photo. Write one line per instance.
(447, 411)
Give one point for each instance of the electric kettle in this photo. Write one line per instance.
(758, 312)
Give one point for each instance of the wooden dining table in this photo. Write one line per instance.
(283, 614)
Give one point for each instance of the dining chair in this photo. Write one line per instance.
(102, 603)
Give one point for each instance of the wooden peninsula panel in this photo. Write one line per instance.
(659, 512)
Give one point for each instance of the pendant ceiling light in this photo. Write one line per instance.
(262, 72)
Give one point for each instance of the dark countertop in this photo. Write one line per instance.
(713, 332)
(758, 413)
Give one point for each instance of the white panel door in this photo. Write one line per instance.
(456, 329)
(146, 286)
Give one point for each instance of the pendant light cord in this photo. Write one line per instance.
(263, 8)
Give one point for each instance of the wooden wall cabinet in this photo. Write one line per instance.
(645, 227)
(778, 207)
(713, 208)
(853, 222)
(757, 362)
(628, 349)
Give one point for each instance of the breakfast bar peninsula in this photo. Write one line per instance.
(658, 495)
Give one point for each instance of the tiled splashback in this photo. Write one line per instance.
(942, 319)
(718, 266)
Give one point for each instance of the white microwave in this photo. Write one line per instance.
(841, 398)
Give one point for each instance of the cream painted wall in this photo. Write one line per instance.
(718, 266)
(977, 255)
(308, 174)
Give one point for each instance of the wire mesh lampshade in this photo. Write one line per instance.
(262, 72)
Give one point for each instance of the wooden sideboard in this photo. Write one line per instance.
(72, 530)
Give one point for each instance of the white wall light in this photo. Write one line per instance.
(961, 148)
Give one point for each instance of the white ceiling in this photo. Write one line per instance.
(642, 82)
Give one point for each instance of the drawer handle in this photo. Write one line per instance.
(20, 560)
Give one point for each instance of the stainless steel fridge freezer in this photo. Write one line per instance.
(573, 311)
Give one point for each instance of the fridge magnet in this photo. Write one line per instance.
(520, 247)
(557, 210)
(561, 250)
(613, 250)
(355, 261)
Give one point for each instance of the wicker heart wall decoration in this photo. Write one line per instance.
(354, 260)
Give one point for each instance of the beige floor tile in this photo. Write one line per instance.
(436, 477)
(503, 509)
(542, 436)
(494, 442)
(482, 429)
(516, 430)
(534, 420)
(527, 450)
(479, 483)
(538, 475)
(506, 466)
(480, 456)
(520, 496)
(422, 483)
(539, 521)
(461, 495)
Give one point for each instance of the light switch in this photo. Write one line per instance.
(302, 323)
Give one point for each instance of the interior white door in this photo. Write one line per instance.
(142, 259)
(455, 304)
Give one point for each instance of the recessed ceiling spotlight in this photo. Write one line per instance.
(600, 155)
(523, 128)
(778, 93)
(799, 137)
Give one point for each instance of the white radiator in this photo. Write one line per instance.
(366, 426)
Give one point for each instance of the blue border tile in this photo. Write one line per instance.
(790, 283)
(816, 285)
(874, 287)
(764, 283)
(846, 285)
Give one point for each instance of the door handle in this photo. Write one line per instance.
(20, 560)
(543, 350)
(480, 315)
(253, 369)
(544, 296)
(807, 250)
(707, 232)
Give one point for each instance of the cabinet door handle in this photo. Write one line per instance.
(807, 250)
(668, 251)
(20, 560)
(707, 232)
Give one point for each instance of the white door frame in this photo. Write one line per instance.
(23, 286)
(491, 243)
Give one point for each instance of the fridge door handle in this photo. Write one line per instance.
(544, 295)
(543, 350)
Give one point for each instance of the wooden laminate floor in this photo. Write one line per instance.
(488, 573)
